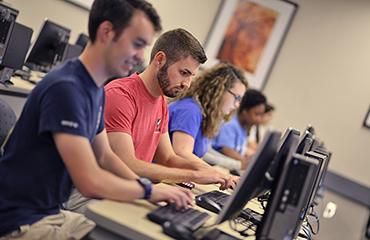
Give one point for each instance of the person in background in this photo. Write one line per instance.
(258, 131)
(232, 137)
(60, 141)
(197, 113)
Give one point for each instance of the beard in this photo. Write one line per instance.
(165, 82)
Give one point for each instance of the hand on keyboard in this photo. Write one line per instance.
(211, 175)
(181, 196)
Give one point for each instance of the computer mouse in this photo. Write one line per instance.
(207, 204)
(177, 231)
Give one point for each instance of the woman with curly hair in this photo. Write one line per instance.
(196, 114)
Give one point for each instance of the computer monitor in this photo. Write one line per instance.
(304, 142)
(7, 20)
(72, 51)
(49, 47)
(311, 192)
(287, 145)
(82, 40)
(321, 179)
(16, 50)
(252, 176)
(310, 129)
(314, 144)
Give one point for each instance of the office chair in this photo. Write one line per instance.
(7, 121)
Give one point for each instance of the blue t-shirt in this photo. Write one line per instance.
(231, 135)
(33, 178)
(186, 116)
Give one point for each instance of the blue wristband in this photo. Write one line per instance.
(147, 184)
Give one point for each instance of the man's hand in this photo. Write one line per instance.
(211, 175)
(181, 196)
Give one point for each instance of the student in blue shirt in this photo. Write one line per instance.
(197, 112)
(232, 137)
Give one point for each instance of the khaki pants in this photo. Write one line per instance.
(77, 202)
(62, 226)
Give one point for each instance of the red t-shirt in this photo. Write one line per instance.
(130, 108)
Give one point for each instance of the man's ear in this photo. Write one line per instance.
(160, 59)
(105, 31)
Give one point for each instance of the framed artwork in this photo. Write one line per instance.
(249, 34)
(367, 119)
(82, 3)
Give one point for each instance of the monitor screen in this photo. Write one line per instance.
(252, 176)
(49, 47)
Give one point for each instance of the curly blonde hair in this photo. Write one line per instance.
(208, 89)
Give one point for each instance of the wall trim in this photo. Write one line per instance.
(352, 190)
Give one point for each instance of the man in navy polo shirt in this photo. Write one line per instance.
(60, 140)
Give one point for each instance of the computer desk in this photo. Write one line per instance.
(129, 220)
(19, 87)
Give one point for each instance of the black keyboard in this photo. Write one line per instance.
(218, 197)
(190, 218)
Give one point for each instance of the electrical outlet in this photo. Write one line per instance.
(330, 210)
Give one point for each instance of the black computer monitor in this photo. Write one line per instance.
(72, 51)
(16, 50)
(49, 47)
(310, 129)
(323, 159)
(304, 142)
(311, 192)
(82, 40)
(314, 144)
(321, 179)
(252, 176)
(287, 145)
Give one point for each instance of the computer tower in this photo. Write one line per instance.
(288, 195)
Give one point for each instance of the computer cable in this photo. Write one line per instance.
(247, 225)
(6, 82)
(309, 223)
(263, 199)
(307, 232)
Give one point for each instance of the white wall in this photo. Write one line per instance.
(33, 12)
(321, 75)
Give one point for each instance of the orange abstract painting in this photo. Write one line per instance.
(247, 34)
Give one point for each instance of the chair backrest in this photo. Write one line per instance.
(7, 120)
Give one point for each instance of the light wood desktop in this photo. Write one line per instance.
(20, 87)
(129, 220)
